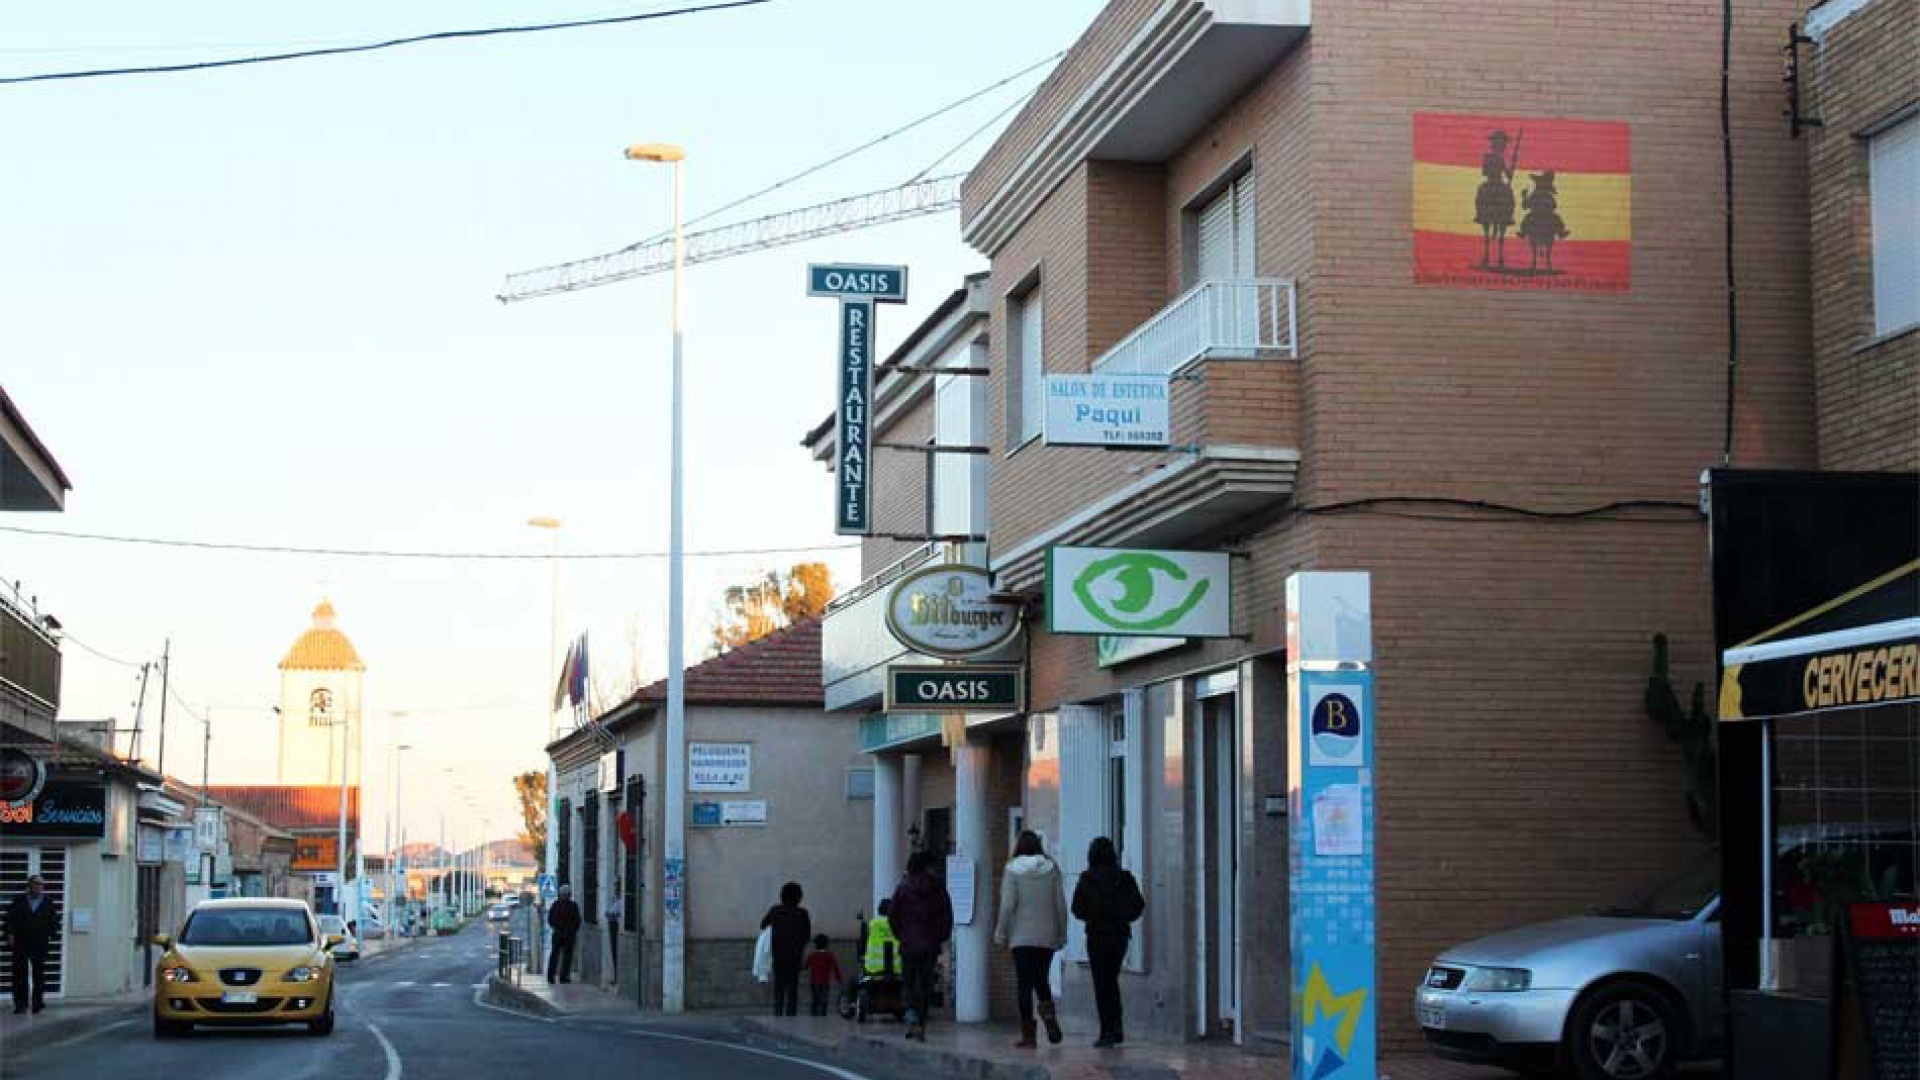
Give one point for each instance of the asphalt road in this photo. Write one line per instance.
(414, 1014)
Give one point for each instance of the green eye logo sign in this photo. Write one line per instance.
(1123, 592)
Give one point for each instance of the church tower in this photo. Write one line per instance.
(319, 705)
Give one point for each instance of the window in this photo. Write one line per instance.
(636, 803)
(1894, 178)
(1220, 233)
(590, 865)
(860, 784)
(1117, 778)
(1026, 365)
(960, 419)
(562, 823)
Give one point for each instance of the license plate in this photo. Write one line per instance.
(1433, 1016)
(240, 997)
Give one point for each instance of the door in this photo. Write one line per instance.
(1218, 842)
(16, 866)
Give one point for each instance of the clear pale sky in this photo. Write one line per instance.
(257, 305)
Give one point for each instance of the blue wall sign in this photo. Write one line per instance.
(1335, 1002)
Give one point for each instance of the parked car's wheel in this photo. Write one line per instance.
(1624, 1031)
(169, 1029)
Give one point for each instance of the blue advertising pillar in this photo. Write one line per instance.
(1330, 728)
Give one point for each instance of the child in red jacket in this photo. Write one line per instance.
(823, 973)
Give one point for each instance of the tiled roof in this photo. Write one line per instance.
(782, 668)
(290, 806)
(322, 648)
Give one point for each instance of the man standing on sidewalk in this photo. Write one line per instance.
(33, 922)
(563, 918)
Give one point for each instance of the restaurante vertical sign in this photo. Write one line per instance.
(857, 288)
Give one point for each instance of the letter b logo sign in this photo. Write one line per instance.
(1336, 731)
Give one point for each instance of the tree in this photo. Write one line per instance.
(531, 786)
(754, 610)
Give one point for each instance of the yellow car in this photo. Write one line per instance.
(250, 961)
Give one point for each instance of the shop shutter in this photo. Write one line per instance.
(1084, 742)
(16, 865)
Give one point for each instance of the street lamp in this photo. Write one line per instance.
(396, 879)
(673, 953)
(551, 854)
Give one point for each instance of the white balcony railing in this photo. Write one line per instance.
(1238, 320)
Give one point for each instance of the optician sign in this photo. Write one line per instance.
(949, 611)
(715, 767)
(858, 288)
(954, 688)
(1129, 592)
(1108, 410)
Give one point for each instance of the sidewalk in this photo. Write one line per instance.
(65, 1019)
(985, 1052)
(533, 994)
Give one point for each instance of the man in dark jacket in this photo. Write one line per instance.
(922, 917)
(563, 918)
(33, 922)
(1108, 900)
(792, 930)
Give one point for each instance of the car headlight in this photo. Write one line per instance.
(303, 973)
(178, 975)
(1499, 980)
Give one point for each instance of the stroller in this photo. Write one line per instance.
(874, 993)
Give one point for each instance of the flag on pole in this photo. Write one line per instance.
(577, 681)
(561, 687)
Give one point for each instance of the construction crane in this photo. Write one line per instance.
(912, 200)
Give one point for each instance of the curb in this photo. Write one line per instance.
(59, 1025)
(508, 996)
(897, 1055)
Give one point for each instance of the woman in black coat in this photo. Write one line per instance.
(1108, 900)
(792, 930)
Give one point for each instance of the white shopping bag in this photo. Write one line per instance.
(763, 955)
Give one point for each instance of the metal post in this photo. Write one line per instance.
(340, 852)
(673, 953)
(1769, 978)
(166, 667)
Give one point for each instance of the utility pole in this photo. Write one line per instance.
(166, 667)
(340, 843)
(206, 757)
(140, 708)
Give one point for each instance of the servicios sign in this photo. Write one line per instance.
(948, 611)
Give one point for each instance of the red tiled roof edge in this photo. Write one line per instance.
(290, 806)
(782, 668)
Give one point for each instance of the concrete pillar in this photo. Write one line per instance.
(889, 832)
(910, 805)
(972, 941)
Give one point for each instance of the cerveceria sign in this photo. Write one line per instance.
(954, 688)
(948, 611)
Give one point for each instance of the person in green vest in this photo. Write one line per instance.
(883, 949)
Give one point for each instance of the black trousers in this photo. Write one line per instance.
(1104, 957)
(560, 960)
(821, 994)
(786, 989)
(1031, 964)
(916, 971)
(30, 958)
(613, 948)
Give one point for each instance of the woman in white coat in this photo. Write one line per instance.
(1033, 921)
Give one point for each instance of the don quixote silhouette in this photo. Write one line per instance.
(1494, 204)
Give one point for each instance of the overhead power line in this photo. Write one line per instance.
(66, 636)
(708, 245)
(375, 46)
(468, 556)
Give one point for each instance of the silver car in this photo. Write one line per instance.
(1624, 994)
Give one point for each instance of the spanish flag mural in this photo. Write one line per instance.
(1509, 202)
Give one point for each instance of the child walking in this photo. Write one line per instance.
(823, 974)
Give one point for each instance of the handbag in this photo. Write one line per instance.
(763, 955)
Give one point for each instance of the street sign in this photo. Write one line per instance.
(858, 288)
(887, 284)
(1122, 411)
(1119, 591)
(548, 889)
(954, 688)
(715, 767)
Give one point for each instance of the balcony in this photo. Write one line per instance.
(29, 668)
(1214, 320)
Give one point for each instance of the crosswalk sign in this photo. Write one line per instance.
(548, 890)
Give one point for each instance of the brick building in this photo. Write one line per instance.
(1290, 215)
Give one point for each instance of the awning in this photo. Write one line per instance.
(1859, 650)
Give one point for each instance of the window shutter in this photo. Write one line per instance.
(1083, 800)
(1032, 365)
(1243, 225)
(1894, 177)
(1216, 257)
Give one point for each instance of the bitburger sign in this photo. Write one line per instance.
(949, 611)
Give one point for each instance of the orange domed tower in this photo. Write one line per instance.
(319, 704)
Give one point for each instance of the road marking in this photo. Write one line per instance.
(441, 986)
(404, 982)
(393, 1056)
(830, 1070)
(82, 1037)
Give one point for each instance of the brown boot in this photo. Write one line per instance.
(1052, 1020)
(1028, 1032)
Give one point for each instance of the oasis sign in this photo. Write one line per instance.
(1118, 411)
(954, 688)
(948, 611)
(1133, 593)
(858, 288)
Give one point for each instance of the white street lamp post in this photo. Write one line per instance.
(673, 953)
